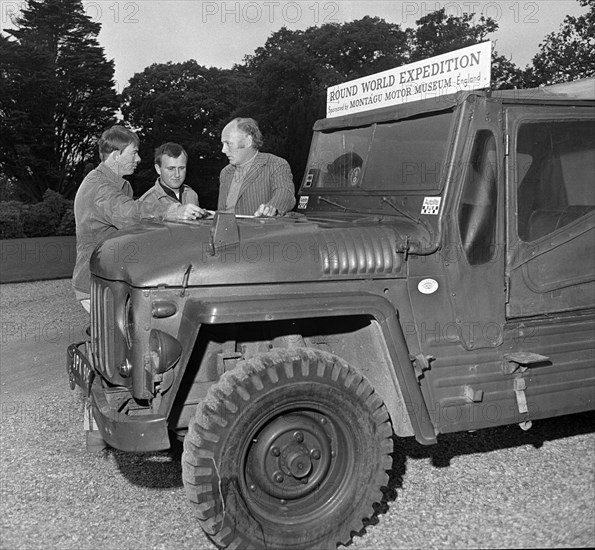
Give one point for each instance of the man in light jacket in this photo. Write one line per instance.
(104, 203)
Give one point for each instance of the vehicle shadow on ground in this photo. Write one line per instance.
(501, 437)
(487, 440)
(163, 470)
(156, 470)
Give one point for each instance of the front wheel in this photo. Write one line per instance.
(288, 450)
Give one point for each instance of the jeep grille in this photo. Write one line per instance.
(103, 327)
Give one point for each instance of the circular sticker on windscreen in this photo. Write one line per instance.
(354, 176)
(428, 286)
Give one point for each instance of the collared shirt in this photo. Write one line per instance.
(160, 194)
(239, 174)
(169, 191)
(103, 205)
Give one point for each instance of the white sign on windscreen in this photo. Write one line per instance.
(465, 69)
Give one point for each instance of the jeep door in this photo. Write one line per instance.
(551, 229)
(550, 261)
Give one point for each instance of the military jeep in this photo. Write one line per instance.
(437, 276)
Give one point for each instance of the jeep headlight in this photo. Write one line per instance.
(165, 351)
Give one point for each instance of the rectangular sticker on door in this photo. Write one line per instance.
(431, 205)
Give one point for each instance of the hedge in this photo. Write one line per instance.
(50, 217)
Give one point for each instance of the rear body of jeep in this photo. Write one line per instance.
(440, 265)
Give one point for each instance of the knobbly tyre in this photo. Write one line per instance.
(437, 277)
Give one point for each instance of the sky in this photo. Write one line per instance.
(136, 34)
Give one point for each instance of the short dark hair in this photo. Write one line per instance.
(250, 127)
(173, 150)
(116, 138)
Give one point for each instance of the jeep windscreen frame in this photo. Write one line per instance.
(396, 157)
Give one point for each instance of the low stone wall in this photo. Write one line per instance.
(36, 259)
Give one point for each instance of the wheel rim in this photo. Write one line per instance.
(295, 462)
(278, 408)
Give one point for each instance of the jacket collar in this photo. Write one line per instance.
(164, 190)
(111, 175)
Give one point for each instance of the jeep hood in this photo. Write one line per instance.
(270, 250)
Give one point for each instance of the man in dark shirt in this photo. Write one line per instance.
(170, 163)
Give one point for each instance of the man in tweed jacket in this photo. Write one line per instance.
(253, 183)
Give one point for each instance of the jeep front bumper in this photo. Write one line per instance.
(140, 433)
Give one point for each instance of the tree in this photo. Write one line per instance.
(56, 96)
(357, 48)
(505, 74)
(186, 103)
(300, 120)
(437, 33)
(294, 68)
(568, 54)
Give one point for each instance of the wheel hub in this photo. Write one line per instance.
(298, 463)
(291, 457)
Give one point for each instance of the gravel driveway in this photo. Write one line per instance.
(498, 488)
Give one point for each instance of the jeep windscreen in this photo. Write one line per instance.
(397, 157)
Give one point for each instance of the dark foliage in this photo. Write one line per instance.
(56, 95)
(51, 216)
(568, 54)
